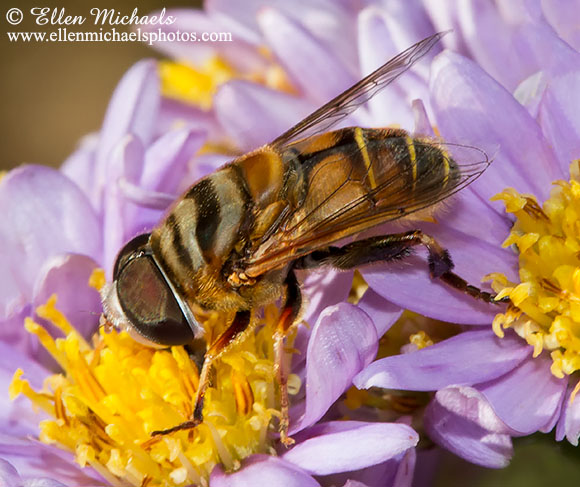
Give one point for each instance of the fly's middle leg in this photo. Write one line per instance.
(386, 248)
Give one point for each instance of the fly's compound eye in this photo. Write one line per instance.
(132, 249)
(148, 300)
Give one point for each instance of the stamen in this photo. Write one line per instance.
(114, 392)
(97, 280)
(545, 305)
(198, 84)
(420, 339)
(242, 392)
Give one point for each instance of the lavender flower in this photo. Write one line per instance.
(147, 152)
(115, 185)
(491, 388)
(534, 129)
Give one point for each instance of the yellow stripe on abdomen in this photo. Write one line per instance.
(412, 157)
(446, 168)
(362, 145)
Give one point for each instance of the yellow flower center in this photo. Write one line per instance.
(113, 392)
(545, 304)
(194, 85)
(198, 84)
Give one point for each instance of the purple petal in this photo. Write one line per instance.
(569, 422)
(377, 46)
(354, 483)
(320, 290)
(306, 60)
(174, 113)
(36, 461)
(546, 50)
(273, 112)
(240, 54)
(167, 158)
(67, 276)
(263, 470)
(242, 19)
(402, 282)
(422, 123)
(406, 470)
(344, 446)
(530, 93)
(529, 398)
(165, 174)
(563, 16)
(9, 475)
(396, 472)
(80, 165)
(461, 420)
(18, 418)
(408, 23)
(132, 107)
(126, 164)
(151, 206)
(43, 482)
(382, 312)
(444, 16)
(468, 213)
(132, 110)
(12, 332)
(324, 289)
(487, 36)
(468, 358)
(205, 164)
(337, 29)
(146, 198)
(52, 217)
(559, 118)
(343, 339)
(472, 108)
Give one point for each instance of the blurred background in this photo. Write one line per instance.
(53, 93)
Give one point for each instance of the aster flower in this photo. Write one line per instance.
(116, 184)
(461, 96)
(139, 129)
(494, 382)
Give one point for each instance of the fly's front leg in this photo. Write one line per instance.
(289, 314)
(393, 247)
(217, 348)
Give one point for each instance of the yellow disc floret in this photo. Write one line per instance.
(196, 85)
(114, 392)
(545, 304)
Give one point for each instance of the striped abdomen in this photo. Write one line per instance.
(353, 179)
(356, 174)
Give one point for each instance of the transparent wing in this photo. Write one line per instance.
(347, 102)
(348, 209)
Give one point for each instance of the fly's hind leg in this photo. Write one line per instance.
(217, 348)
(393, 247)
(289, 314)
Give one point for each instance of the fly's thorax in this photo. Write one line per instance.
(201, 229)
(262, 173)
(209, 227)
